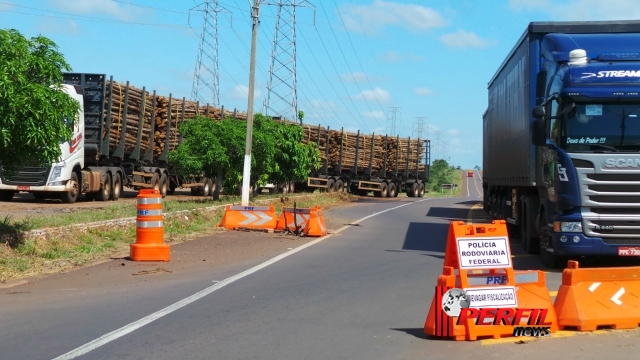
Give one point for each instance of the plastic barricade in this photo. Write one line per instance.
(316, 225)
(600, 297)
(290, 218)
(249, 217)
(478, 263)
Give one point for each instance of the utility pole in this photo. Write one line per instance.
(246, 174)
(392, 122)
(438, 147)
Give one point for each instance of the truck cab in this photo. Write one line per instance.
(587, 130)
(57, 178)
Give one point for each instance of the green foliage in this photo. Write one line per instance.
(476, 168)
(32, 101)
(218, 147)
(300, 116)
(440, 173)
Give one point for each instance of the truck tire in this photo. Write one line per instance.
(421, 191)
(549, 259)
(205, 188)
(116, 187)
(384, 190)
(6, 195)
(194, 190)
(105, 192)
(339, 186)
(331, 185)
(212, 186)
(69, 197)
(164, 185)
(415, 189)
(155, 182)
(391, 190)
(172, 187)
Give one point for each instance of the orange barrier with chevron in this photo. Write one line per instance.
(589, 298)
(249, 217)
(492, 298)
(316, 225)
(292, 217)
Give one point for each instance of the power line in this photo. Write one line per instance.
(419, 128)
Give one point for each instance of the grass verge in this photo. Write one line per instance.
(22, 257)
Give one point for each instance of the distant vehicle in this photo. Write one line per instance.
(562, 140)
(470, 173)
(457, 167)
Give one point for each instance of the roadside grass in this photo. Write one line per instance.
(458, 176)
(63, 250)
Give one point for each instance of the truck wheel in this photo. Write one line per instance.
(421, 193)
(155, 182)
(391, 189)
(384, 190)
(331, 185)
(212, 187)
(116, 188)
(6, 195)
(105, 192)
(164, 185)
(409, 191)
(194, 190)
(549, 259)
(415, 190)
(69, 197)
(204, 189)
(339, 186)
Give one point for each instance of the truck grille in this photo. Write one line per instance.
(31, 176)
(611, 206)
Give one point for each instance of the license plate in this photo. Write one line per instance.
(24, 188)
(629, 251)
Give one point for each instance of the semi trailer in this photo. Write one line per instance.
(103, 156)
(561, 157)
(409, 176)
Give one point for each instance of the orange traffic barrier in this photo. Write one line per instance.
(316, 225)
(249, 217)
(592, 298)
(150, 245)
(290, 218)
(480, 295)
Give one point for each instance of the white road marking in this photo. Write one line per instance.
(468, 194)
(594, 286)
(107, 338)
(616, 298)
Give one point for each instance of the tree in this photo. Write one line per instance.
(440, 173)
(300, 116)
(33, 104)
(476, 168)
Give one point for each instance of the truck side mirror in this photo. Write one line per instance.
(538, 112)
(538, 132)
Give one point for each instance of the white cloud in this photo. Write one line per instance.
(392, 56)
(455, 142)
(463, 39)
(99, 7)
(60, 26)
(376, 94)
(423, 91)
(375, 115)
(453, 132)
(584, 10)
(6, 6)
(356, 77)
(242, 92)
(370, 19)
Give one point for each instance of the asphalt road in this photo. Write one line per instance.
(363, 293)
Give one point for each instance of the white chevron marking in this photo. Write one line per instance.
(594, 286)
(616, 298)
(265, 218)
(250, 218)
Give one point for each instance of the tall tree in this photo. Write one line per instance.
(33, 104)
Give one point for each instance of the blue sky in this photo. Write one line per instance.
(355, 59)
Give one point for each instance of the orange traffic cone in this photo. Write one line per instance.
(150, 245)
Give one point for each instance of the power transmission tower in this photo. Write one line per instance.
(206, 79)
(392, 122)
(438, 146)
(419, 128)
(282, 93)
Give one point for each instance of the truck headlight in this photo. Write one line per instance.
(567, 226)
(56, 172)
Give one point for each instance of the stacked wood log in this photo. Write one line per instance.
(137, 103)
(350, 142)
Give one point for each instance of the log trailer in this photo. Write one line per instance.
(89, 167)
(383, 183)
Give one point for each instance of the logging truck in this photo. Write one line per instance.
(394, 172)
(103, 156)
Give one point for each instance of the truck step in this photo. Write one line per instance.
(149, 175)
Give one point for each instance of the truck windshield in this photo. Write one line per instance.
(602, 126)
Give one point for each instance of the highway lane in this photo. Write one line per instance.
(361, 294)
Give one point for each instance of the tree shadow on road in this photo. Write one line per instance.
(426, 237)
